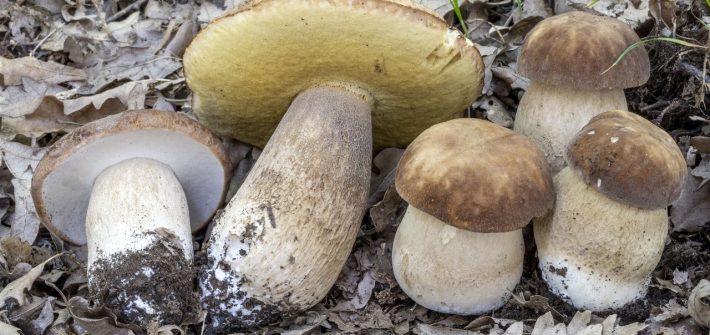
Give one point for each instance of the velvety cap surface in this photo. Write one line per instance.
(64, 178)
(246, 67)
(629, 159)
(575, 48)
(475, 175)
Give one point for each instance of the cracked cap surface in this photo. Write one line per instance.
(247, 66)
(629, 159)
(475, 175)
(575, 48)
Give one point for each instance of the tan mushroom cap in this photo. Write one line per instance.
(247, 66)
(64, 178)
(575, 48)
(475, 175)
(629, 159)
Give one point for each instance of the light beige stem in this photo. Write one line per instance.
(552, 115)
(281, 242)
(452, 270)
(595, 252)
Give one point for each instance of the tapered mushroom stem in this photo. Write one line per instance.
(552, 115)
(453, 270)
(139, 242)
(280, 244)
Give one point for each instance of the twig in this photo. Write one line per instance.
(125, 11)
(32, 54)
(695, 72)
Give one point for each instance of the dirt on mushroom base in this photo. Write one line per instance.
(156, 276)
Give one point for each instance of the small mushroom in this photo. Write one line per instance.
(565, 57)
(132, 187)
(606, 234)
(330, 76)
(471, 187)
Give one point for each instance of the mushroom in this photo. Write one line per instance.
(338, 74)
(471, 187)
(606, 234)
(566, 58)
(132, 187)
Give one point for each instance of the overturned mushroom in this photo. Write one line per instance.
(565, 58)
(606, 234)
(471, 187)
(338, 75)
(133, 186)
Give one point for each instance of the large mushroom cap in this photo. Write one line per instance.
(475, 175)
(246, 67)
(64, 178)
(629, 159)
(575, 48)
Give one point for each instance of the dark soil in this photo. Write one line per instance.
(159, 276)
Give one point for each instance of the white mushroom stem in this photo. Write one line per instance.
(452, 270)
(595, 252)
(552, 115)
(281, 242)
(134, 205)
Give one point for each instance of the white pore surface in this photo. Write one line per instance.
(452, 270)
(130, 203)
(67, 189)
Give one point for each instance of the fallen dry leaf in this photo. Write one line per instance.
(16, 289)
(9, 330)
(13, 70)
(24, 222)
(98, 320)
(691, 212)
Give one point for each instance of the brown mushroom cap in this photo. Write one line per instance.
(475, 175)
(575, 48)
(627, 158)
(247, 66)
(64, 178)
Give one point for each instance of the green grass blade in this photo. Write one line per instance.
(594, 2)
(457, 11)
(649, 40)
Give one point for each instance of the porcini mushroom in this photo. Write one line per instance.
(133, 186)
(606, 234)
(565, 57)
(471, 187)
(337, 74)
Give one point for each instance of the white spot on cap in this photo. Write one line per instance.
(614, 139)
(591, 132)
(599, 182)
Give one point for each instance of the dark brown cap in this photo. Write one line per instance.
(575, 48)
(475, 175)
(628, 159)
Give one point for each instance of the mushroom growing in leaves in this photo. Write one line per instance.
(566, 58)
(471, 187)
(606, 234)
(132, 187)
(334, 76)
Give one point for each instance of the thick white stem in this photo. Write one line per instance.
(452, 270)
(281, 242)
(552, 115)
(595, 252)
(138, 206)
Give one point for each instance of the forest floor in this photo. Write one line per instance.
(66, 63)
